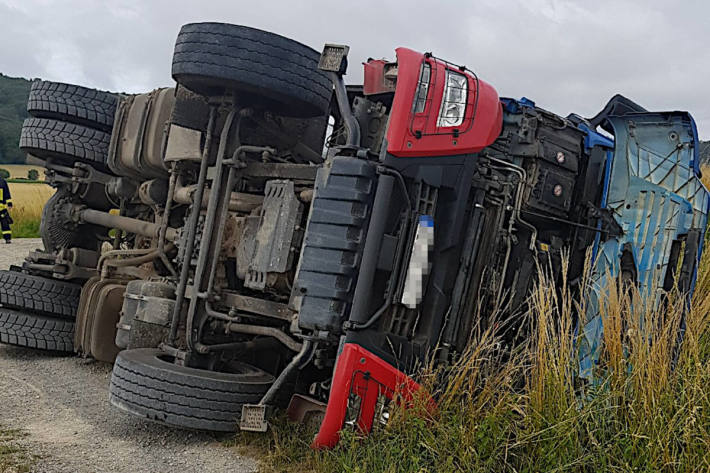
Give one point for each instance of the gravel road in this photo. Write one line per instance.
(62, 404)
(15, 252)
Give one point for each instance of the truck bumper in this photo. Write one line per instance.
(362, 382)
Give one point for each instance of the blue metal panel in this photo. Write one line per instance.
(605, 197)
(514, 106)
(594, 138)
(655, 195)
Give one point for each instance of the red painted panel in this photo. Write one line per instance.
(413, 134)
(364, 375)
(374, 77)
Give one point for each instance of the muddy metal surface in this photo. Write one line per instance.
(62, 404)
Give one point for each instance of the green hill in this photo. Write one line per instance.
(13, 110)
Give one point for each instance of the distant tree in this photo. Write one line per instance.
(33, 175)
(13, 110)
(4, 173)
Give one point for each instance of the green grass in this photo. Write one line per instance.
(526, 413)
(26, 181)
(29, 199)
(25, 227)
(14, 458)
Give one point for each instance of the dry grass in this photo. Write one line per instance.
(28, 201)
(528, 412)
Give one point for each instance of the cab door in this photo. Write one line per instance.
(654, 192)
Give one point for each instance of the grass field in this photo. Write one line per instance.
(19, 171)
(650, 411)
(28, 201)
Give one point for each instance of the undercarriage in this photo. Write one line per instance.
(263, 236)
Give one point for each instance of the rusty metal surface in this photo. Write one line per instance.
(254, 305)
(130, 225)
(140, 134)
(239, 201)
(281, 171)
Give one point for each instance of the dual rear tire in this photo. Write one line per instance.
(37, 312)
(69, 123)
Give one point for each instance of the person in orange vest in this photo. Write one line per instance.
(5, 203)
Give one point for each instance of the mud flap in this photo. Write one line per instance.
(99, 312)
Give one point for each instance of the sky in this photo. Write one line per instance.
(568, 56)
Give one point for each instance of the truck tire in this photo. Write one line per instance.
(38, 294)
(277, 72)
(192, 111)
(67, 142)
(73, 104)
(36, 331)
(146, 383)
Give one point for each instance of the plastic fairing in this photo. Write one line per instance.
(413, 133)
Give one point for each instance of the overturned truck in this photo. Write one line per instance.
(263, 235)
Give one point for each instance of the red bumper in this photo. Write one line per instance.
(366, 378)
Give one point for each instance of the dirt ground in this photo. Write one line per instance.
(62, 404)
(15, 252)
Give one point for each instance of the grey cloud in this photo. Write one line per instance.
(566, 55)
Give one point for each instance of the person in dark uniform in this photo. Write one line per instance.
(5, 203)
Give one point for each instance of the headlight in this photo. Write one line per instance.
(453, 107)
(422, 88)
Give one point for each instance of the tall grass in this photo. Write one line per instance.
(525, 411)
(28, 201)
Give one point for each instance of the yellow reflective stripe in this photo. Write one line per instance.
(7, 232)
(3, 207)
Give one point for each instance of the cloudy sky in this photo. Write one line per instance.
(566, 55)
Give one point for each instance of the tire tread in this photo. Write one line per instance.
(39, 294)
(213, 56)
(36, 331)
(72, 103)
(49, 138)
(147, 387)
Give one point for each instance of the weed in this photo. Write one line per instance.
(28, 202)
(13, 457)
(527, 412)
